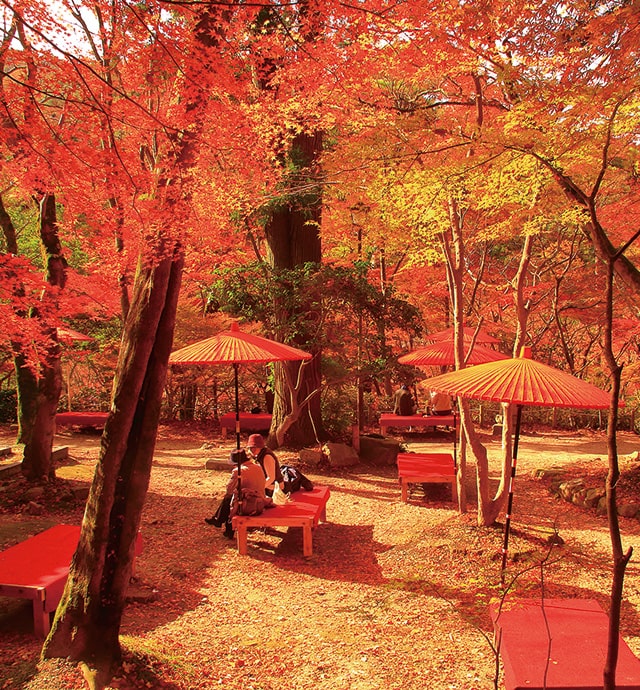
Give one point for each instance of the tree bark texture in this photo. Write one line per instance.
(293, 236)
(87, 622)
(39, 396)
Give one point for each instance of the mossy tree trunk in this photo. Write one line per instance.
(87, 622)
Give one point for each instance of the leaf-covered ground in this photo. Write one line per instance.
(395, 595)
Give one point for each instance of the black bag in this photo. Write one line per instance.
(294, 480)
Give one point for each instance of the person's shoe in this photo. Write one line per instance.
(213, 521)
(229, 534)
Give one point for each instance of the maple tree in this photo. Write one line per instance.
(429, 142)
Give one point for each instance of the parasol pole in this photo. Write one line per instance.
(235, 380)
(507, 522)
(239, 464)
(455, 439)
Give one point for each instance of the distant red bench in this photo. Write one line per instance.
(305, 509)
(248, 422)
(37, 569)
(419, 421)
(90, 420)
(561, 646)
(426, 468)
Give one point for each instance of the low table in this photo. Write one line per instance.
(248, 422)
(572, 650)
(415, 420)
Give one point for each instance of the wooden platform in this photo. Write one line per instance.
(248, 422)
(558, 645)
(84, 420)
(416, 421)
(306, 509)
(426, 468)
(37, 569)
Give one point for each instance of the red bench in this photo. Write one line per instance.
(37, 569)
(426, 468)
(89, 420)
(305, 509)
(558, 645)
(248, 422)
(419, 421)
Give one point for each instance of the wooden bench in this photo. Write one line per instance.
(426, 468)
(561, 644)
(37, 569)
(418, 421)
(248, 422)
(305, 509)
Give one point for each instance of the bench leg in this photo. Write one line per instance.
(241, 539)
(454, 490)
(404, 487)
(383, 430)
(41, 620)
(307, 540)
(224, 433)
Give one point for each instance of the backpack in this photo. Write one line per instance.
(294, 480)
(252, 503)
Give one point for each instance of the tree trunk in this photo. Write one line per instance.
(87, 622)
(293, 237)
(620, 559)
(38, 398)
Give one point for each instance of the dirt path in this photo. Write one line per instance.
(395, 595)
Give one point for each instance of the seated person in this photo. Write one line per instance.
(440, 403)
(251, 481)
(267, 459)
(403, 402)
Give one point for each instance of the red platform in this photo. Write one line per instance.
(94, 420)
(572, 649)
(37, 569)
(248, 422)
(416, 421)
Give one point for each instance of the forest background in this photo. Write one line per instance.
(350, 177)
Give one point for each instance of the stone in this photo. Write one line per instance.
(34, 493)
(628, 510)
(80, 493)
(34, 508)
(59, 453)
(341, 455)
(592, 497)
(218, 464)
(569, 488)
(379, 451)
(311, 456)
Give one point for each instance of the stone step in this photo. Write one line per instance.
(59, 453)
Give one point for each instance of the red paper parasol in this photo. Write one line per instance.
(68, 335)
(467, 333)
(442, 353)
(522, 381)
(235, 347)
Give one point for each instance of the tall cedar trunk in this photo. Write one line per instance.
(293, 236)
(38, 397)
(87, 622)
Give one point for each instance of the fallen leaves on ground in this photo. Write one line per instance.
(395, 595)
